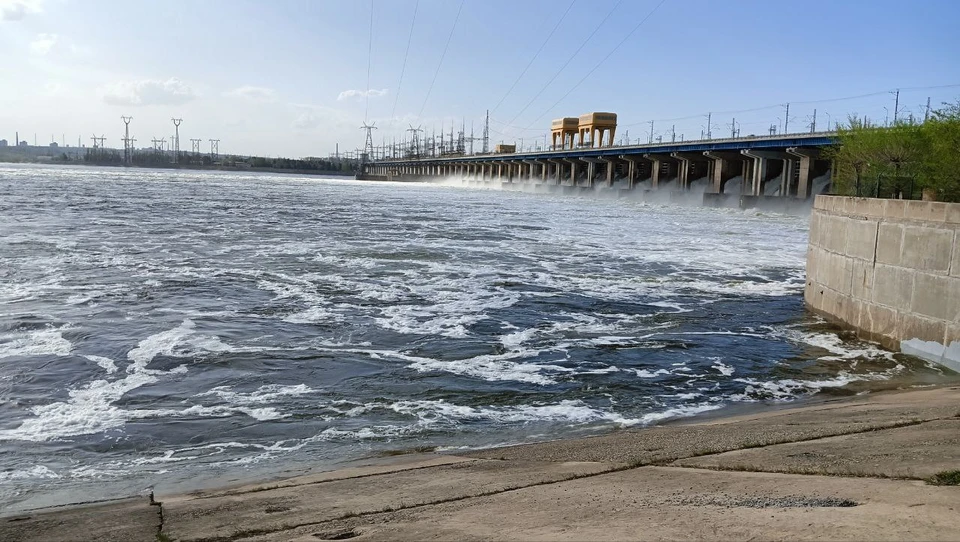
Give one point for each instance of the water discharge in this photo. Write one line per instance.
(172, 329)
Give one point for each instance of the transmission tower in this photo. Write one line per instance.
(415, 142)
(126, 139)
(98, 144)
(486, 133)
(368, 146)
(195, 146)
(472, 139)
(176, 140)
(157, 145)
(215, 149)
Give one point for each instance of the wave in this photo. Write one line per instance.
(41, 342)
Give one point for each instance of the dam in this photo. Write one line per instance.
(745, 171)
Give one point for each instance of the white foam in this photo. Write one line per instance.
(40, 342)
(644, 373)
(789, 389)
(313, 315)
(107, 364)
(722, 368)
(160, 343)
(34, 472)
(264, 394)
(841, 350)
(90, 408)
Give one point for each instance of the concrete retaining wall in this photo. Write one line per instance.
(889, 269)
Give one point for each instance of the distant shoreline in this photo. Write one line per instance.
(193, 167)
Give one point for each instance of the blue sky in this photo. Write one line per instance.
(288, 77)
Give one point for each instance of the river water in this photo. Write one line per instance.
(173, 330)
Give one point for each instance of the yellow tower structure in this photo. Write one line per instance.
(594, 125)
(561, 128)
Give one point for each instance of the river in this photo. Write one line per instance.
(174, 330)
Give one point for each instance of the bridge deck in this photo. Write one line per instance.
(819, 139)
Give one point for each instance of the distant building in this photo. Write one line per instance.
(24, 144)
(53, 145)
(3, 142)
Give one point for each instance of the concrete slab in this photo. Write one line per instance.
(385, 465)
(927, 249)
(662, 503)
(127, 520)
(277, 509)
(889, 243)
(917, 451)
(672, 442)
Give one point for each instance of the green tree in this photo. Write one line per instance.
(901, 160)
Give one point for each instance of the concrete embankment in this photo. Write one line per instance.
(889, 269)
(854, 468)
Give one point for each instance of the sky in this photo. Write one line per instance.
(298, 78)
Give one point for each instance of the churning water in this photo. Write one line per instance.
(175, 329)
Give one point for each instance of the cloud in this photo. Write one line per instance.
(253, 94)
(43, 43)
(14, 10)
(148, 92)
(371, 93)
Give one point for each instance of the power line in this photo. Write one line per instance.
(595, 68)
(535, 55)
(366, 107)
(396, 97)
(437, 72)
(567, 63)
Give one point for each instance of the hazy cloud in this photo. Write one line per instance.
(253, 94)
(148, 92)
(14, 10)
(43, 43)
(371, 93)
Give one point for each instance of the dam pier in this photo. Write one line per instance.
(756, 171)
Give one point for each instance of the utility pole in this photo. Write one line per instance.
(673, 133)
(176, 140)
(651, 132)
(709, 129)
(733, 128)
(813, 125)
(486, 133)
(786, 120)
(126, 139)
(896, 105)
(926, 113)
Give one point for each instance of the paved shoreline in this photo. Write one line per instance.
(848, 468)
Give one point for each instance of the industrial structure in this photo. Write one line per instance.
(587, 130)
(592, 127)
(779, 166)
(563, 133)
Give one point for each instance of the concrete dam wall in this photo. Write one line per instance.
(890, 269)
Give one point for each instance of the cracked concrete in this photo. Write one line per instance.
(738, 477)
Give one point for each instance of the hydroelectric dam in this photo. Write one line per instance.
(776, 171)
